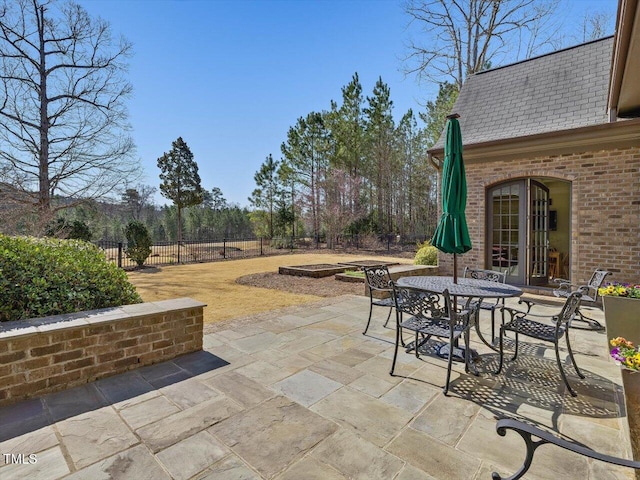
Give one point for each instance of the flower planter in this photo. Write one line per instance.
(622, 316)
(631, 383)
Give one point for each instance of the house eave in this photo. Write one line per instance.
(606, 136)
(624, 94)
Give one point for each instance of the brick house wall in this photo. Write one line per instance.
(605, 209)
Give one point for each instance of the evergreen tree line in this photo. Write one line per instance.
(212, 219)
(349, 170)
(352, 170)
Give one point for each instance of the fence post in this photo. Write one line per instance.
(261, 247)
(119, 254)
(357, 244)
(388, 242)
(224, 248)
(179, 242)
(291, 246)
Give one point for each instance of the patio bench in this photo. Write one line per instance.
(527, 431)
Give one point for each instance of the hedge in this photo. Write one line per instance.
(46, 276)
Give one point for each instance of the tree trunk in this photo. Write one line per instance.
(44, 199)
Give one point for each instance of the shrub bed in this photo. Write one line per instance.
(46, 276)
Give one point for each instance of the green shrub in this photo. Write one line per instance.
(427, 254)
(138, 242)
(47, 276)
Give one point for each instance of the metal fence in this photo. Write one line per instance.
(187, 251)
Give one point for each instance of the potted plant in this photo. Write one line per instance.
(626, 354)
(621, 304)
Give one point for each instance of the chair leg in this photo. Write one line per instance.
(562, 374)
(515, 350)
(573, 360)
(388, 317)
(501, 359)
(467, 352)
(449, 364)
(395, 353)
(415, 346)
(493, 326)
(368, 321)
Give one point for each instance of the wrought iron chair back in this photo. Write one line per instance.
(430, 314)
(569, 310)
(589, 294)
(590, 290)
(422, 304)
(482, 274)
(378, 280)
(526, 323)
(490, 305)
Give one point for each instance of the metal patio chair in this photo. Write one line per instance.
(378, 282)
(430, 314)
(589, 295)
(556, 327)
(490, 305)
(527, 431)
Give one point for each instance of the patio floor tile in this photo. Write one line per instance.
(50, 465)
(446, 419)
(189, 393)
(135, 463)
(430, 455)
(230, 468)
(364, 461)
(370, 418)
(336, 371)
(274, 434)
(144, 413)
(242, 389)
(192, 455)
(176, 427)
(92, 436)
(311, 469)
(72, 402)
(306, 387)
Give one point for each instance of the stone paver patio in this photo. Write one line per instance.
(302, 394)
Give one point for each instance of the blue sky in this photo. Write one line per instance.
(231, 77)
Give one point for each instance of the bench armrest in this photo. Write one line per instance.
(526, 431)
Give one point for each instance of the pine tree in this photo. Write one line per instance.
(180, 179)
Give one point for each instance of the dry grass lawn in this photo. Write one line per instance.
(215, 283)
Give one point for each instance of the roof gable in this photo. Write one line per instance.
(559, 91)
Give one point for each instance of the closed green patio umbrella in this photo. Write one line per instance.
(452, 234)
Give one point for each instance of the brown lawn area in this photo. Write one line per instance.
(215, 283)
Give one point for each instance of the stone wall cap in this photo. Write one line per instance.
(179, 303)
(66, 321)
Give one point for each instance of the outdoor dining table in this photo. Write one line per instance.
(469, 288)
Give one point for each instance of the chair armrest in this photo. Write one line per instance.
(514, 312)
(526, 431)
(528, 303)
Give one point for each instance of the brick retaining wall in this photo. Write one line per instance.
(43, 355)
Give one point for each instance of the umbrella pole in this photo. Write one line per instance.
(455, 268)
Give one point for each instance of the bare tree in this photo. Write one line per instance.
(461, 37)
(63, 121)
(596, 25)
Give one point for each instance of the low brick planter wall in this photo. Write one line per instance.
(47, 354)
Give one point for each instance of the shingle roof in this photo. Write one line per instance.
(558, 91)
